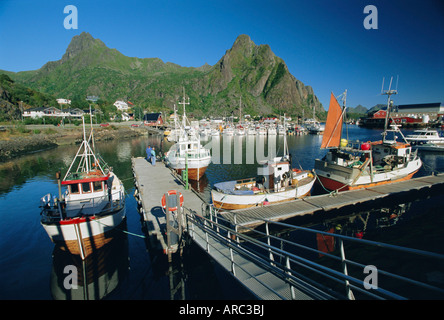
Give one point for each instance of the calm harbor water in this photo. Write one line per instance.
(31, 267)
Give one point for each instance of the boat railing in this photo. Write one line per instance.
(351, 268)
(56, 210)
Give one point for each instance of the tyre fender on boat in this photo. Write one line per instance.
(172, 193)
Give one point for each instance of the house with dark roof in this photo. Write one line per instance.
(153, 119)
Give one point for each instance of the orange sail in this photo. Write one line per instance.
(333, 127)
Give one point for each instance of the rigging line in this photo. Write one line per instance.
(124, 231)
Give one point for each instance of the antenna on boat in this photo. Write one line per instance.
(184, 103)
(389, 93)
(92, 134)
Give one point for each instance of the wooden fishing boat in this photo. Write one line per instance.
(93, 204)
(277, 182)
(355, 165)
(188, 153)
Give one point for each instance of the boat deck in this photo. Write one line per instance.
(252, 217)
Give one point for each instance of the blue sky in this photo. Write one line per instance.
(323, 42)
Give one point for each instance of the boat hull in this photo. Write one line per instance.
(233, 202)
(336, 178)
(196, 167)
(84, 235)
(194, 174)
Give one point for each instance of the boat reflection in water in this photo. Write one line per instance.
(93, 278)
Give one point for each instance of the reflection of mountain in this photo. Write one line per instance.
(97, 276)
(18, 171)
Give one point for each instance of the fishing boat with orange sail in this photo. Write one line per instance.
(353, 165)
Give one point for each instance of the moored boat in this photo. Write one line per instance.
(348, 166)
(280, 185)
(424, 136)
(188, 153)
(93, 205)
(277, 183)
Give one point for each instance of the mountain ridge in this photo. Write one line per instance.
(89, 67)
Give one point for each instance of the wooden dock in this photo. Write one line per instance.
(152, 182)
(252, 217)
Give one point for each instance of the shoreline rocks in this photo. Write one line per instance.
(18, 146)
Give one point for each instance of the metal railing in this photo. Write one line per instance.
(279, 248)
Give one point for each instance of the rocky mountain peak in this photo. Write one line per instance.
(80, 43)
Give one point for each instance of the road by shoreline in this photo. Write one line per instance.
(41, 138)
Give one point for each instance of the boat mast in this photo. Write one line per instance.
(184, 115)
(285, 139)
(389, 93)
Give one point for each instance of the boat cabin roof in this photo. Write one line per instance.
(81, 177)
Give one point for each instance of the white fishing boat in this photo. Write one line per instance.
(228, 131)
(188, 153)
(92, 206)
(261, 130)
(271, 131)
(251, 131)
(281, 130)
(348, 166)
(214, 132)
(424, 136)
(316, 128)
(278, 183)
(239, 131)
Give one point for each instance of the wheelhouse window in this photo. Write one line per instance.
(97, 186)
(86, 187)
(74, 188)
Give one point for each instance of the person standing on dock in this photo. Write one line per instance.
(153, 157)
(148, 153)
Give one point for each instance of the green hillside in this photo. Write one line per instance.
(89, 67)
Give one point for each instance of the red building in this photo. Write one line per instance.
(153, 119)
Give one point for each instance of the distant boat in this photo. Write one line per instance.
(271, 131)
(214, 132)
(92, 206)
(261, 130)
(348, 166)
(228, 131)
(251, 131)
(281, 183)
(316, 128)
(281, 130)
(239, 131)
(424, 136)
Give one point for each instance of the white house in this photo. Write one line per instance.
(52, 112)
(121, 105)
(63, 101)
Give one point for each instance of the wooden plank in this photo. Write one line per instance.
(152, 183)
(311, 204)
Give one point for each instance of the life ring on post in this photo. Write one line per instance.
(172, 193)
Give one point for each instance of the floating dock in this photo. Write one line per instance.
(152, 182)
(252, 217)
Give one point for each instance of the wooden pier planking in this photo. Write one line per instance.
(152, 182)
(309, 205)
